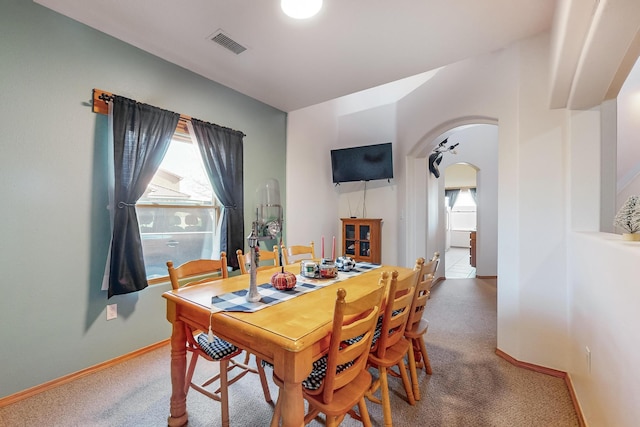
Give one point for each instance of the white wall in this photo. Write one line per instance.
(311, 134)
(374, 198)
(604, 293)
(509, 88)
(541, 211)
(602, 278)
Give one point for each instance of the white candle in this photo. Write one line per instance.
(322, 248)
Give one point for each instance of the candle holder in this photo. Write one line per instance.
(253, 295)
(328, 269)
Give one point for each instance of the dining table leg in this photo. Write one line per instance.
(178, 409)
(292, 412)
(293, 368)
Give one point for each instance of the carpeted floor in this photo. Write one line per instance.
(470, 385)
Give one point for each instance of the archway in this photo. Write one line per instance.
(426, 212)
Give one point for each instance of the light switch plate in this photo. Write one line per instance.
(112, 311)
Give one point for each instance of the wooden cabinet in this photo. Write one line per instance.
(472, 248)
(362, 239)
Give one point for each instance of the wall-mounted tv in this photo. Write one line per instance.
(365, 163)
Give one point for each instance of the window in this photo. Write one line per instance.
(464, 201)
(463, 213)
(178, 214)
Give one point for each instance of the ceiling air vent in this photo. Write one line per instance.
(227, 42)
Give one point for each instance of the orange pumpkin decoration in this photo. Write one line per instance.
(283, 281)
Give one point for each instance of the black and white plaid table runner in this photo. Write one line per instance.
(235, 301)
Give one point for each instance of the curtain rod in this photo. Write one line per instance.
(464, 187)
(101, 99)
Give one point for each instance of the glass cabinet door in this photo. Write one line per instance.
(365, 237)
(350, 239)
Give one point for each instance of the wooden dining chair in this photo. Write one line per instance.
(295, 253)
(390, 347)
(207, 345)
(433, 266)
(272, 258)
(416, 325)
(197, 271)
(339, 379)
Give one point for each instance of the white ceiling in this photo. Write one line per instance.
(351, 45)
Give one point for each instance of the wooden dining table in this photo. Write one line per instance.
(288, 334)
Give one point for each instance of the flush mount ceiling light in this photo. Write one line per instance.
(301, 9)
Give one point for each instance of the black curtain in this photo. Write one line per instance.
(453, 195)
(222, 154)
(474, 195)
(141, 136)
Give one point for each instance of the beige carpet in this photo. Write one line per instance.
(470, 386)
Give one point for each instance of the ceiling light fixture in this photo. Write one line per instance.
(301, 9)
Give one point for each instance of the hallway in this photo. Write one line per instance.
(457, 264)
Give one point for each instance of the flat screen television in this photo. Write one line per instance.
(365, 163)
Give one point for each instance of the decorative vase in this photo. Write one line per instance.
(633, 237)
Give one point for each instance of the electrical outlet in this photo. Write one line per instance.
(587, 353)
(112, 311)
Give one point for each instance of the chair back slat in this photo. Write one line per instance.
(423, 290)
(196, 269)
(353, 327)
(272, 256)
(396, 311)
(432, 265)
(295, 253)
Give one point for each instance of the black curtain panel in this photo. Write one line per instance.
(222, 155)
(453, 195)
(141, 136)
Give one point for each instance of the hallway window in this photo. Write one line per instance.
(464, 201)
(463, 213)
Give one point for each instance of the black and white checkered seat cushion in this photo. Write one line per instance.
(376, 334)
(378, 330)
(218, 349)
(318, 372)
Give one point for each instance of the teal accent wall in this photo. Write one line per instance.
(54, 223)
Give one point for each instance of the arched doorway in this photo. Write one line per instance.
(477, 141)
